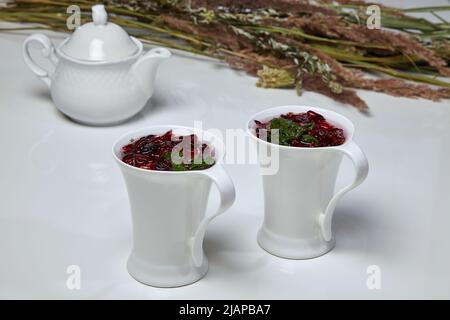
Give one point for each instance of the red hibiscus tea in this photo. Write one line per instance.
(308, 129)
(168, 152)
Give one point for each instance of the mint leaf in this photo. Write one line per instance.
(288, 130)
(207, 161)
(178, 167)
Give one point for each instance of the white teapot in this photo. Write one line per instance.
(101, 74)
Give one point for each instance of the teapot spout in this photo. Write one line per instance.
(144, 69)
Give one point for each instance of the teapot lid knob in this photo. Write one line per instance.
(99, 15)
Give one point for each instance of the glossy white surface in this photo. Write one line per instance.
(63, 200)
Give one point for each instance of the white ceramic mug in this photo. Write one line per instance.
(168, 213)
(299, 198)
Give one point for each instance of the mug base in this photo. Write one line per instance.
(297, 249)
(165, 276)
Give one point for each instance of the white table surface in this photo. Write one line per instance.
(63, 201)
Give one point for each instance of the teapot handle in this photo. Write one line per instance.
(227, 195)
(354, 152)
(48, 50)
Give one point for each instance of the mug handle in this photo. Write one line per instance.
(354, 152)
(48, 50)
(225, 186)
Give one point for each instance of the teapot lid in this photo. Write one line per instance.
(99, 40)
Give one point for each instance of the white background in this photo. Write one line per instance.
(63, 201)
